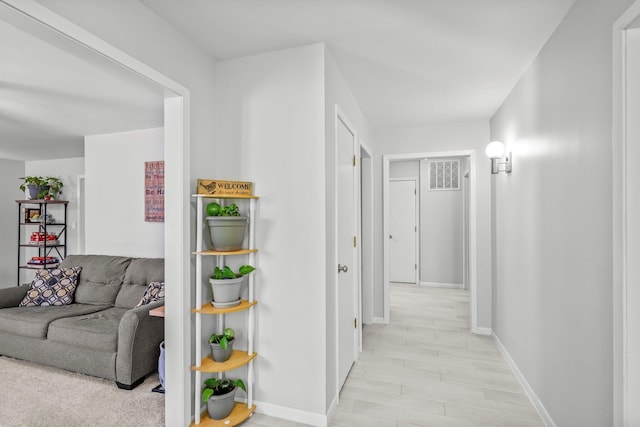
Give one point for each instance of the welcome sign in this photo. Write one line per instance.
(215, 187)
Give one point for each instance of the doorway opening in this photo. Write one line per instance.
(415, 166)
(40, 21)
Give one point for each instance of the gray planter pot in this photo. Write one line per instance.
(35, 190)
(220, 355)
(219, 407)
(227, 232)
(226, 293)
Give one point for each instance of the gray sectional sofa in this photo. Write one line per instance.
(100, 333)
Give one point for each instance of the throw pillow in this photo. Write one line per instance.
(52, 287)
(154, 292)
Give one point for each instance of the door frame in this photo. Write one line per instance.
(473, 212)
(64, 33)
(366, 227)
(416, 242)
(340, 116)
(623, 308)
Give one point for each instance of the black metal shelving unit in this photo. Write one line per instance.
(58, 227)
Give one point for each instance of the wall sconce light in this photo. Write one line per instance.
(500, 158)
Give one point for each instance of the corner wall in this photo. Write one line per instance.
(553, 218)
(10, 171)
(270, 124)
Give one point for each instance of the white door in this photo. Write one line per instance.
(402, 231)
(347, 267)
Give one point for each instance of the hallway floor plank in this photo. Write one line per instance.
(426, 369)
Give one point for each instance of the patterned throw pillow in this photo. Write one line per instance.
(52, 287)
(154, 292)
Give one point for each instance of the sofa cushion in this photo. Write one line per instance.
(154, 292)
(52, 287)
(101, 277)
(33, 322)
(140, 273)
(97, 331)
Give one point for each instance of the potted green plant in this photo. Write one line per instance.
(55, 186)
(219, 394)
(226, 227)
(41, 187)
(222, 345)
(226, 286)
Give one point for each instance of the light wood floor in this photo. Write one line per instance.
(427, 369)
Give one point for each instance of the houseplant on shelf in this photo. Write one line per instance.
(226, 227)
(222, 345)
(41, 187)
(226, 286)
(218, 395)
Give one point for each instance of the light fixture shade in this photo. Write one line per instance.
(495, 150)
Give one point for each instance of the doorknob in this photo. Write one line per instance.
(342, 268)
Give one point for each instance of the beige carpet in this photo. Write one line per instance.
(33, 395)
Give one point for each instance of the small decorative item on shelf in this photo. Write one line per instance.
(226, 227)
(222, 345)
(226, 286)
(219, 395)
(43, 262)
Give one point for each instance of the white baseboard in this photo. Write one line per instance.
(378, 320)
(292, 414)
(442, 285)
(480, 330)
(333, 407)
(533, 397)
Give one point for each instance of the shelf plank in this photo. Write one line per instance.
(215, 253)
(42, 201)
(238, 358)
(239, 414)
(209, 196)
(207, 308)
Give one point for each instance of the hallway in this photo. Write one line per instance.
(426, 369)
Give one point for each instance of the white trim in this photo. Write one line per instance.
(378, 320)
(369, 262)
(333, 408)
(292, 414)
(177, 178)
(533, 397)
(473, 207)
(621, 356)
(484, 331)
(442, 285)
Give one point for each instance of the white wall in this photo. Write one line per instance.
(444, 137)
(441, 225)
(553, 237)
(10, 171)
(271, 116)
(405, 169)
(114, 187)
(337, 92)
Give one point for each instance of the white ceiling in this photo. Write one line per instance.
(408, 62)
(50, 98)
